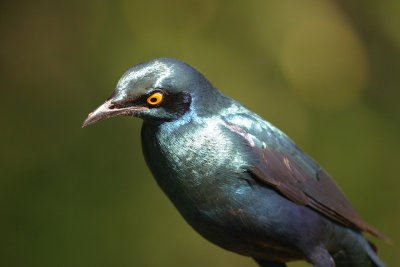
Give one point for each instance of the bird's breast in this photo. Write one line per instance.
(192, 161)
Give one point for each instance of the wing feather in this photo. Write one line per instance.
(279, 163)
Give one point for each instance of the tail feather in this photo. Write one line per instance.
(372, 245)
(372, 253)
(356, 251)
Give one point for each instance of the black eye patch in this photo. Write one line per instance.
(177, 103)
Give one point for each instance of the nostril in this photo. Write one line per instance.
(111, 106)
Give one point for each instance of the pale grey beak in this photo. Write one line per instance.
(108, 110)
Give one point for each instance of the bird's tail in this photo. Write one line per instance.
(370, 249)
(359, 252)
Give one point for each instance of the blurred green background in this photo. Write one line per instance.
(325, 72)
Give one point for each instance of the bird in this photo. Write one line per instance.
(236, 179)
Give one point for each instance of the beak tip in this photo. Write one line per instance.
(96, 115)
(89, 120)
(85, 123)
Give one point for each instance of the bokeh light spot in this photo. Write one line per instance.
(324, 62)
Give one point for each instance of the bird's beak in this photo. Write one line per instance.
(108, 110)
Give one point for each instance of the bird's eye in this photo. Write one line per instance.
(155, 99)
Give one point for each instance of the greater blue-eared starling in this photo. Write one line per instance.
(236, 179)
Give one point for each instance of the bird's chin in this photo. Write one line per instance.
(108, 110)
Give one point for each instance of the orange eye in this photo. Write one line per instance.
(154, 99)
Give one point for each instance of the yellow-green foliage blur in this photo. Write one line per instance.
(325, 72)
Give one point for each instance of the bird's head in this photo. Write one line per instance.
(158, 90)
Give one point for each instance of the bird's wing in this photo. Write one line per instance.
(278, 162)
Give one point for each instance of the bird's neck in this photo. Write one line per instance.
(176, 152)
